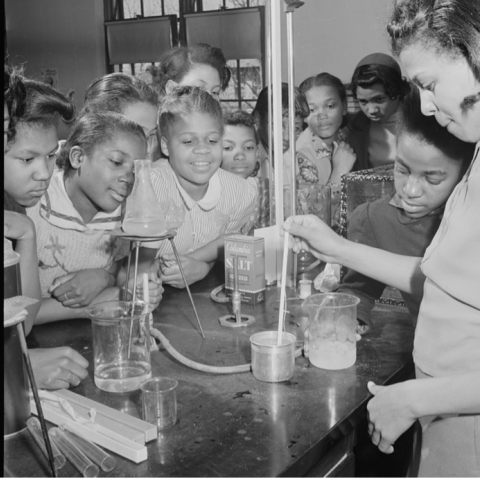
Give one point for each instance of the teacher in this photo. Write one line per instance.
(438, 45)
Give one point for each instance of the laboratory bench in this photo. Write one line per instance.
(234, 425)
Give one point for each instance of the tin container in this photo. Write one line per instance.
(16, 405)
(271, 362)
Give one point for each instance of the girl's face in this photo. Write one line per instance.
(326, 111)
(444, 84)
(424, 176)
(376, 104)
(105, 176)
(203, 76)
(29, 162)
(145, 114)
(194, 147)
(240, 152)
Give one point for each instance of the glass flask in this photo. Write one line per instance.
(143, 215)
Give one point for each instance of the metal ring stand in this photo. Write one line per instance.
(135, 242)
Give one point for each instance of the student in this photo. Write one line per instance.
(240, 156)
(53, 368)
(240, 151)
(379, 87)
(437, 43)
(429, 163)
(322, 151)
(122, 93)
(78, 262)
(205, 202)
(260, 115)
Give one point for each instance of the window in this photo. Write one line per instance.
(247, 76)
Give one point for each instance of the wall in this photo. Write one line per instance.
(333, 35)
(64, 34)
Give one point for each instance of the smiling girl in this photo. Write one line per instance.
(204, 201)
(77, 259)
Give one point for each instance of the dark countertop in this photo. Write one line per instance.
(234, 425)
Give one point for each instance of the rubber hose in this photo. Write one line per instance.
(200, 366)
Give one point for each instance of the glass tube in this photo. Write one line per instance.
(34, 427)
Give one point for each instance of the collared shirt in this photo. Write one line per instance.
(447, 339)
(226, 208)
(65, 243)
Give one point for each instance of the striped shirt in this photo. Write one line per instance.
(65, 244)
(226, 208)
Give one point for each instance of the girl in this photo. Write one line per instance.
(207, 202)
(322, 151)
(379, 87)
(126, 94)
(33, 108)
(437, 43)
(77, 261)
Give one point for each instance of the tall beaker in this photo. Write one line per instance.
(121, 345)
(143, 215)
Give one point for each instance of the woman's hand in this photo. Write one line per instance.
(56, 368)
(312, 234)
(194, 270)
(78, 289)
(18, 226)
(389, 413)
(155, 288)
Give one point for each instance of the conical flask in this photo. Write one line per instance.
(143, 215)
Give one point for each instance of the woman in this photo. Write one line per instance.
(438, 44)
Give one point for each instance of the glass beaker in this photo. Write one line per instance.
(332, 325)
(121, 345)
(143, 215)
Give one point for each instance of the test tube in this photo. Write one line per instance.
(80, 461)
(34, 427)
(105, 461)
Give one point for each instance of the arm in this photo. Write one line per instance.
(194, 270)
(211, 251)
(393, 409)
(399, 271)
(19, 227)
(51, 310)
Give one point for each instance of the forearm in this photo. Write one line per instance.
(454, 394)
(30, 279)
(398, 271)
(51, 310)
(211, 251)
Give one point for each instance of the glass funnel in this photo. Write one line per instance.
(143, 215)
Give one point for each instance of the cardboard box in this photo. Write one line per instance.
(250, 254)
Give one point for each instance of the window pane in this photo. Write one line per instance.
(131, 8)
(171, 7)
(217, 4)
(212, 5)
(152, 8)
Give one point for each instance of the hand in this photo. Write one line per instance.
(18, 226)
(56, 368)
(389, 413)
(343, 159)
(310, 233)
(194, 270)
(78, 289)
(155, 289)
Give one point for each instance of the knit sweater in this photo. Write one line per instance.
(381, 224)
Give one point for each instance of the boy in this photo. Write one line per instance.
(429, 163)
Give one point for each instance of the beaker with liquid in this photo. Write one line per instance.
(121, 345)
(143, 214)
(332, 325)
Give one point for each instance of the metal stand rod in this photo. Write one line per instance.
(125, 288)
(175, 251)
(134, 294)
(26, 356)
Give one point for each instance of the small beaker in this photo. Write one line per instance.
(143, 215)
(332, 325)
(121, 345)
(272, 362)
(159, 401)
